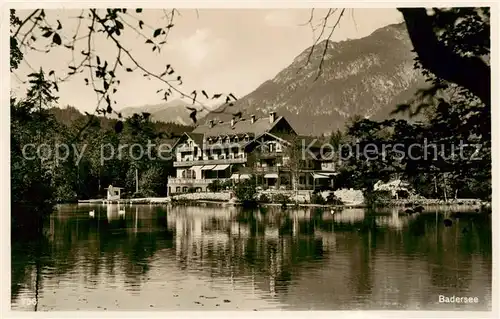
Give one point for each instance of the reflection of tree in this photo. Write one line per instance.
(274, 252)
(94, 246)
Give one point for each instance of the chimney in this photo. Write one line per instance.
(272, 117)
(211, 123)
(252, 117)
(232, 123)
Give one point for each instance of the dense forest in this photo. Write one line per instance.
(77, 172)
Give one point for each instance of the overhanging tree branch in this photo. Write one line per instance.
(471, 73)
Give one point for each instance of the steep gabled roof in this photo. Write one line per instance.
(197, 138)
(259, 127)
(316, 143)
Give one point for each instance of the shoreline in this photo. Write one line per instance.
(465, 203)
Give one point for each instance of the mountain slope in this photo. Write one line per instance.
(366, 77)
(174, 112)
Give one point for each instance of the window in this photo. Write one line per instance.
(184, 189)
(189, 173)
(178, 189)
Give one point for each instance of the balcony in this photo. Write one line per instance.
(210, 162)
(267, 169)
(193, 182)
(266, 155)
(185, 148)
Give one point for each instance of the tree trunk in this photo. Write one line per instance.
(435, 185)
(471, 73)
(444, 188)
(136, 181)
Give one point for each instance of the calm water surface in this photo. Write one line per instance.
(201, 258)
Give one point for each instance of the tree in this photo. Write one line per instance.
(452, 44)
(452, 49)
(32, 125)
(293, 161)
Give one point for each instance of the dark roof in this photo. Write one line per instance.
(260, 126)
(307, 139)
(196, 137)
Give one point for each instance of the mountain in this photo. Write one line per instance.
(69, 116)
(174, 111)
(364, 77)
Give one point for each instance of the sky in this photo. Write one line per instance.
(218, 50)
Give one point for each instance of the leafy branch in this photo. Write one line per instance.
(110, 23)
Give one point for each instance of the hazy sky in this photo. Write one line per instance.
(221, 51)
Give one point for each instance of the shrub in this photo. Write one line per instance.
(317, 198)
(138, 195)
(245, 192)
(263, 198)
(281, 198)
(226, 185)
(378, 198)
(214, 186)
(333, 200)
(64, 194)
(217, 186)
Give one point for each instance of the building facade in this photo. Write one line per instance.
(266, 148)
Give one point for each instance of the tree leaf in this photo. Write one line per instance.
(59, 26)
(138, 10)
(141, 23)
(51, 72)
(128, 69)
(149, 41)
(56, 39)
(48, 34)
(157, 32)
(119, 25)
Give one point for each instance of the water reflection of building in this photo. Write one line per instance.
(320, 265)
(349, 215)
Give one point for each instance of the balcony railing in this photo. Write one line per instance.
(275, 154)
(186, 148)
(193, 182)
(267, 169)
(210, 162)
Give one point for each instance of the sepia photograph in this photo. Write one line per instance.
(250, 159)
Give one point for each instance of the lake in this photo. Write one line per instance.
(162, 258)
